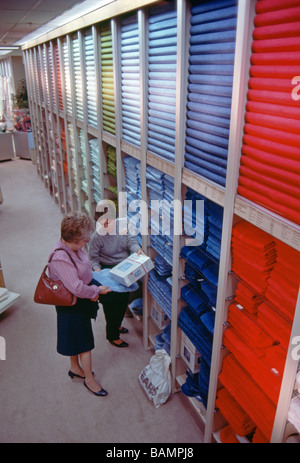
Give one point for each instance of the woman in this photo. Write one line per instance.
(71, 265)
(108, 247)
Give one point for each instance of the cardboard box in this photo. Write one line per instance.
(190, 354)
(159, 316)
(132, 269)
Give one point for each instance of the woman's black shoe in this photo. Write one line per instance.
(123, 344)
(73, 375)
(100, 393)
(123, 330)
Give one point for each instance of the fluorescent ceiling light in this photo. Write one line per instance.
(69, 15)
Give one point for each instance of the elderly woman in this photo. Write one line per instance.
(108, 247)
(71, 265)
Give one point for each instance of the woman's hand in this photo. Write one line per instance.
(140, 251)
(104, 289)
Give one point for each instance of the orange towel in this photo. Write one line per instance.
(249, 396)
(247, 328)
(259, 438)
(238, 419)
(227, 436)
(247, 298)
(263, 376)
(274, 324)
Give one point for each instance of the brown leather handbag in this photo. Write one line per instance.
(53, 292)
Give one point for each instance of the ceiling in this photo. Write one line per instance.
(18, 18)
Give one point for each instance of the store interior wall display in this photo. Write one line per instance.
(193, 103)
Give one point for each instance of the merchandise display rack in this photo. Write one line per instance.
(68, 114)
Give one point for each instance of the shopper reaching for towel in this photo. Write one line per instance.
(108, 246)
(71, 265)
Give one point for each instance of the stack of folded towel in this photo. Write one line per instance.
(162, 80)
(253, 255)
(196, 331)
(248, 394)
(238, 420)
(270, 170)
(260, 322)
(131, 112)
(107, 84)
(283, 284)
(163, 339)
(111, 161)
(94, 149)
(212, 49)
(161, 194)
(161, 291)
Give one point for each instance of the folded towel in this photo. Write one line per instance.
(227, 436)
(105, 279)
(248, 329)
(274, 324)
(248, 395)
(238, 419)
(263, 376)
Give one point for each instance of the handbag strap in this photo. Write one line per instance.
(60, 249)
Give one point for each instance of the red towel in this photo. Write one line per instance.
(275, 358)
(278, 136)
(281, 16)
(281, 301)
(274, 122)
(264, 6)
(275, 72)
(277, 98)
(253, 255)
(227, 436)
(238, 419)
(290, 29)
(270, 171)
(289, 256)
(273, 107)
(263, 376)
(282, 185)
(247, 328)
(253, 236)
(259, 198)
(276, 195)
(259, 438)
(248, 395)
(274, 325)
(276, 45)
(249, 300)
(278, 162)
(291, 57)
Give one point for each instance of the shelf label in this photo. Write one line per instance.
(275, 226)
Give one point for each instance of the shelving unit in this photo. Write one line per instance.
(118, 86)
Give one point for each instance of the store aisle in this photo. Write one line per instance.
(39, 402)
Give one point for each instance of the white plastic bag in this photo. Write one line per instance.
(155, 378)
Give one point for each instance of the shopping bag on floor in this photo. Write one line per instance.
(155, 378)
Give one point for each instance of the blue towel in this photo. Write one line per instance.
(212, 50)
(193, 327)
(162, 80)
(105, 279)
